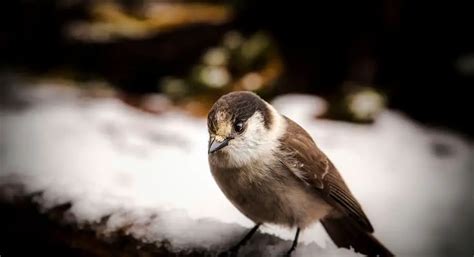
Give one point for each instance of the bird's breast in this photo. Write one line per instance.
(266, 192)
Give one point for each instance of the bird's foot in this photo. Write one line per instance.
(295, 243)
(288, 254)
(232, 252)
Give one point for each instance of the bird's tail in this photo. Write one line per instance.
(346, 233)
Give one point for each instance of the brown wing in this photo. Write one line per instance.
(302, 157)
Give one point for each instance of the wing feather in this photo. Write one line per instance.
(304, 159)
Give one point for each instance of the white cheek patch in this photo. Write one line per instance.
(257, 142)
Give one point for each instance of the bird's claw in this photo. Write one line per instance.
(232, 252)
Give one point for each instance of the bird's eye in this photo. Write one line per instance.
(239, 126)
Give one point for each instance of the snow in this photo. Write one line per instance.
(150, 174)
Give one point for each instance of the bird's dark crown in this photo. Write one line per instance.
(239, 106)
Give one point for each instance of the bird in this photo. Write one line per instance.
(273, 172)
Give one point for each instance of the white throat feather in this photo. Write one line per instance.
(257, 143)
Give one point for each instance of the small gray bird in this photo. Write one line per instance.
(272, 171)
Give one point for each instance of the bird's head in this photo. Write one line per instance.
(241, 125)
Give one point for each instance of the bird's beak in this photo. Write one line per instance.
(215, 145)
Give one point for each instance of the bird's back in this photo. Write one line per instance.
(346, 224)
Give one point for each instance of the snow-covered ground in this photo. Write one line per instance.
(150, 174)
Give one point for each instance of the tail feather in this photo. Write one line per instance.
(346, 233)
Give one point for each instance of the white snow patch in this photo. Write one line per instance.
(151, 172)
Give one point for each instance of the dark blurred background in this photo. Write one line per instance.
(362, 56)
(418, 55)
